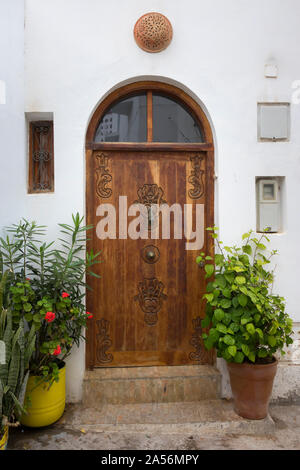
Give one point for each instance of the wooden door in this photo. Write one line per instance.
(147, 307)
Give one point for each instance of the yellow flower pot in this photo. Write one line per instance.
(46, 406)
(4, 439)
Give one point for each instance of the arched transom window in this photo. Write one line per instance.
(149, 116)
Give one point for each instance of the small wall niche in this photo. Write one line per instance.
(273, 122)
(269, 203)
(40, 152)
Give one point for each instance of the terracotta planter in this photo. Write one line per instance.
(251, 386)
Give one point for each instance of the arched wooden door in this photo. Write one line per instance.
(152, 143)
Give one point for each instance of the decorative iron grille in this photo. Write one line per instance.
(41, 158)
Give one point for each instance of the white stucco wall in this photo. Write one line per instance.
(76, 51)
(12, 125)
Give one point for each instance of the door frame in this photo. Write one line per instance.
(208, 146)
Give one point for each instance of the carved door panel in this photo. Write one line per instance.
(147, 305)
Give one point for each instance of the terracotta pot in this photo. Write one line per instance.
(251, 386)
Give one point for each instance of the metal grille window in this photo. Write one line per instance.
(41, 158)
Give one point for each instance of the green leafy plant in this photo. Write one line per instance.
(16, 349)
(48, 289)
(248, 323)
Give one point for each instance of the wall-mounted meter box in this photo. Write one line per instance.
(273, 122)
(268, 205)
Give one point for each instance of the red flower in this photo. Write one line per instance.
(89, 314)
(28, 279)
(50, 316)
(57, 350)
(65, 294)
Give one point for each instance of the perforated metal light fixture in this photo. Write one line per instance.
(153, 32)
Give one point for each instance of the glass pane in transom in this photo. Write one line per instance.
(173, 123)
(125, 121)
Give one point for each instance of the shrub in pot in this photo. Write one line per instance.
(47, 291)
(16, 348)
(247, 322)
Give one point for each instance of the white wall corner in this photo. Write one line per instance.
(225, 381)
(2, 92)
(75, 368)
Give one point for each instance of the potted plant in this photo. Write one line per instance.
(48, 293)
(247, 322)
(16, 348)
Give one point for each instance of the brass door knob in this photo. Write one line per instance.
(150, 254)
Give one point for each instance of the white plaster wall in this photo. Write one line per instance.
(78, 50)
(12, 125)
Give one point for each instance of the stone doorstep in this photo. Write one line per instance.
(207, 417)
(124, 385)
(115, 373)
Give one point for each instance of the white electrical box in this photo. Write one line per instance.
(273, 121)
(268, 205)
(271, 71)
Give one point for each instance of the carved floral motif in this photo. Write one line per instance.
(103, 177)
(196, 178)
(150, 296)
(196, 340)
(151, 196)
(103, 342)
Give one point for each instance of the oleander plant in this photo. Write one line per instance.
(47, 289)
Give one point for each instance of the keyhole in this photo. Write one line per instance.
(152, 216)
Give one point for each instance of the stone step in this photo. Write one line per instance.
(156, 384)
(200, 418)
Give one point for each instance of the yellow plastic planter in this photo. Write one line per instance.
(4, 439)
(47, 406)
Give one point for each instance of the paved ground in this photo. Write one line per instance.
(122, 429)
